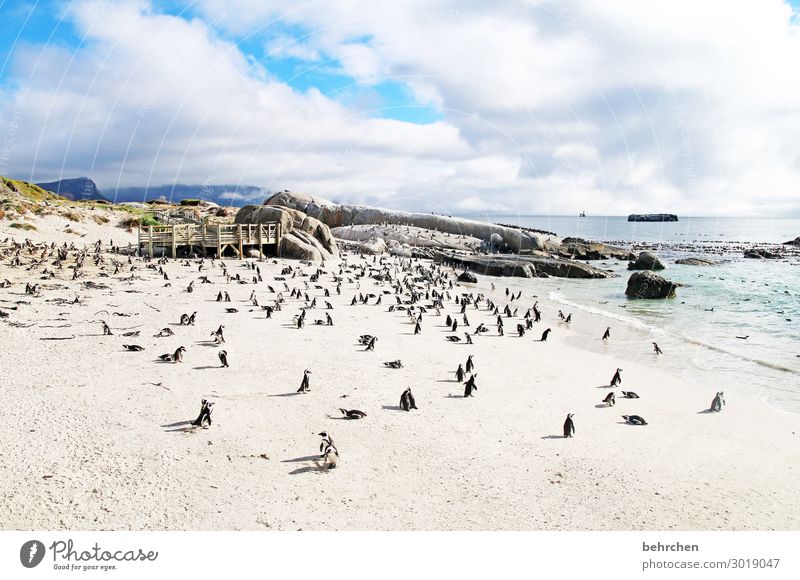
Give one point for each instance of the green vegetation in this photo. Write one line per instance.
(22, 226)
(30, 191)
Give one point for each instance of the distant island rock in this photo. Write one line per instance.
(794, 242)
(652, 217)
(761, 254)
(649, 285)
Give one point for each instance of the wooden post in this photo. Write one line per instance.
(278, 239)
(150, 242)
(174, 242)
(241, 250)
(260, 241)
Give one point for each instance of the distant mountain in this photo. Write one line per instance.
(77, 188)
(236, 195)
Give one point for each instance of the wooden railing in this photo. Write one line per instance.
(219, 236)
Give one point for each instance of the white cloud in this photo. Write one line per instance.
(610, 107)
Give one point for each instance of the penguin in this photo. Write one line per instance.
(177, 356)
(629, 395)
(634, 420)
(718, 402)
(569, 426)
(469, 337)
(610, 399)
(545, 335)
(106, 329)
(407, 401)
(218, 336)
(204, 418)
(607, 333)
(656, 348)
(460, 374)
(330, 454)
(223, 358)
(327, 441)
(353, 414)
(371, 343)
(470, 366)
(219, 296)
(470, 386)
(133, 347)
(417, 328)
(394, 364)
(305, 385)
(616, 379)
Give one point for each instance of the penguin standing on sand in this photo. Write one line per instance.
(330, 454)
(616, 379)
(407, 401)
(371, 343)
(204, 418)
(718, 402)
(656, 349)
(470, 386)
(470, 365)
(106, 328)
(305, 386)
(610, 399)
(417, 328)
(569, 426)
(223, 358)
(545, 334)
(607, 333)
(460, 374)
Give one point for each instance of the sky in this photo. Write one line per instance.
(510, 106)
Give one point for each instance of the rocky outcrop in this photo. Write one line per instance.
(761, 254)
(338, 215)
(649, 285)
(524, 266)
(303, 237)
(510, 266)
(652, 217)
(794, 242)
(580, 249)
(468, 277)
(695, 262)
(646, 261)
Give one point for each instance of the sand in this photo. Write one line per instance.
(94, 437)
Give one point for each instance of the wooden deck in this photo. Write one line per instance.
(214, 237)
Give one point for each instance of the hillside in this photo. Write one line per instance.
(76, 189)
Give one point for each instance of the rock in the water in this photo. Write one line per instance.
(695, 262)
(794, 242)
(646, 261)
(652, 217)
(761, 254)
(468, 277)
(580, 249)
(649, 285)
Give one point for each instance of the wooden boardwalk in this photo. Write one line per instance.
(217, 237)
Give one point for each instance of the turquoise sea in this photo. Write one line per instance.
(759, 299)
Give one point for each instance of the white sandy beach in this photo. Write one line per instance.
(88, 442)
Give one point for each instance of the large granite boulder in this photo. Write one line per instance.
(580, 249)
(649, 285)
(302, 237)
(468, 277)
(646, 261)
(506, 265)
(337, 215)
(567, 269)
(794, 242)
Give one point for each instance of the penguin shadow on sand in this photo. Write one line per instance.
(315, 467)
(206, 343)
(292, 394)
(554, 437)
(179, 427)
(205, 367)
(452, 396)
(391, 408)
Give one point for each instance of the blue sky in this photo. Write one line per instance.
(555, 106)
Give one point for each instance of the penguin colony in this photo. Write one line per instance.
(421, 291)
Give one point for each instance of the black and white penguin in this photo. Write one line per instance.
(656, 348)
(569, 426)
(470, 366)
(718, 402)
(634, 420)
(133, 347)
(607, 333)
(610, 399)
(460, 374)
(629, 395)
(470, 386)
(417, 328)
(353, 414)
(616, 379)
(305, 384)
(407, 401)
(330, 454)
(371, 343)
(223, 358)
(204, 418)
(218, 336)
(545, 334)
(106, 328)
